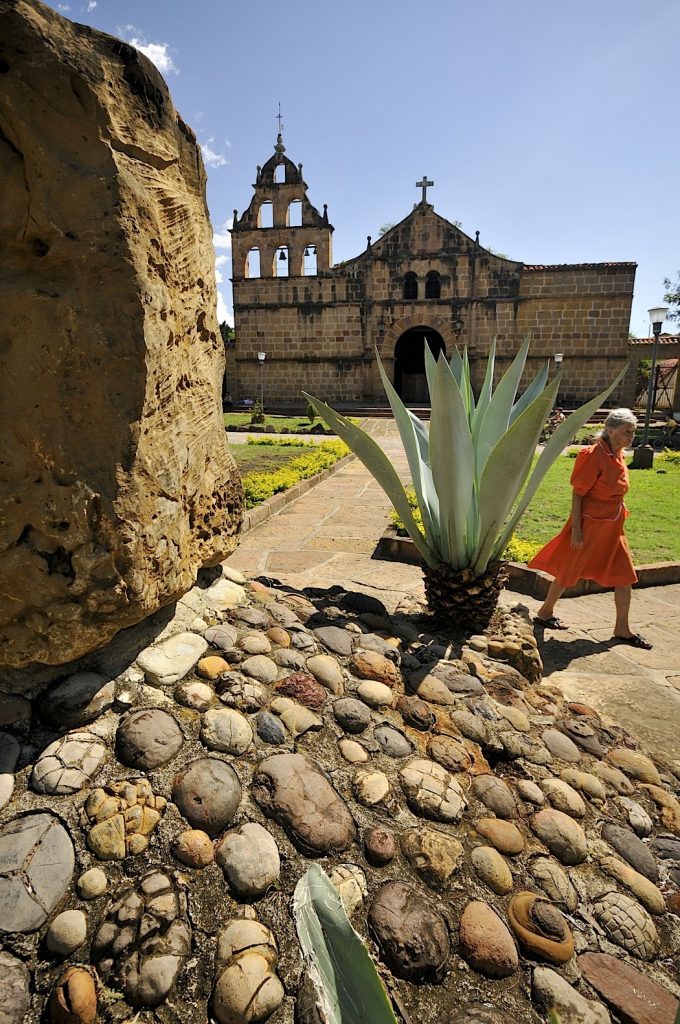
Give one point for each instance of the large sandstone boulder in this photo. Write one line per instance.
(116, 484)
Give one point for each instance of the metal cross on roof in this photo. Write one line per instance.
(279, 118)
(424, 184)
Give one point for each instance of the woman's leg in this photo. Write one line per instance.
(622, 602)
(547, 609)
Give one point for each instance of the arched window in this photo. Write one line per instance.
(281, 261)
(253, 263)
(433, 285)
(265, 215)
(309, 261)
(280, 174)
(410, 285)
(294, 216)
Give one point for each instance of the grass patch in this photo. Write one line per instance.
(267, 468)
(653, 500)
(291, 424)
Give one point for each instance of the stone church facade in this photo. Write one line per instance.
(319, 325)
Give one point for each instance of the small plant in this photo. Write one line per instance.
(257, 415)
(310, 412)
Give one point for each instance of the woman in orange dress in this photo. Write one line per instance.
(592, 544)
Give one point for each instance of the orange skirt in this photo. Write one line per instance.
(604, 557)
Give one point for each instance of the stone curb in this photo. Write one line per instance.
(524, 580)
(266, 509)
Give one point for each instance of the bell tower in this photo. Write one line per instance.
(280, 234)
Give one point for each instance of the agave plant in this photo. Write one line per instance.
(468, 471)
(348, 987)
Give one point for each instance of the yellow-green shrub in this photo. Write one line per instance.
(519, 550)
(260, 486)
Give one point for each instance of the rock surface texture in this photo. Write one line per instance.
(149, 856)
(127, 489)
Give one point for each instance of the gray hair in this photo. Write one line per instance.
(618, 418)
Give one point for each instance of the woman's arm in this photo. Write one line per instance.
(576, 521)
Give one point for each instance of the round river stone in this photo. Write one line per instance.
(411, 934)
(147, 739)
(36, 865)
(207, 794)
(68, 764)
(293, 791)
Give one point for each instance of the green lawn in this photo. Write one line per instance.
(294, 424)
(653, 500)
(261, 458)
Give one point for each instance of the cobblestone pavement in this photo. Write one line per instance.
(328, 535)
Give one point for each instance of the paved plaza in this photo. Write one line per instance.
(328, 536)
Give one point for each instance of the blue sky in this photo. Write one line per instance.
(549, 127)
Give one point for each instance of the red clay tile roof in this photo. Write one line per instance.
(573, 266)
(664, 339)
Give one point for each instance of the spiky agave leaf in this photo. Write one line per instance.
(415, 439)
(452, 459)
(347, 983)
(377, 463)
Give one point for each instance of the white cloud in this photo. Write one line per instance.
(158, 53)
(221, 237)
(223, 311)
(64, 7)
(212, 158)
(92, 4)
(219, 262)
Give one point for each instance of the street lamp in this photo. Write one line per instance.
(261, 358)
(644, 455)
(558, 357)
(657, 315)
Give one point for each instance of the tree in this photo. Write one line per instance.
(672, 297)
(385, 228)
(228, 334)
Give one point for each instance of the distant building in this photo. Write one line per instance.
(319, 324)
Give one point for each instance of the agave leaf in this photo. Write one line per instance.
(416, 448)
(347, 983)
(430, 364)
(486, 392)
(466, 387)
(452, 461)
(506, 470)
(559, 439)
(534, 389)
(377, 463)
(497, 416)
(456, 365)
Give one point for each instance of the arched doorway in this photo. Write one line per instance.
(409, 363)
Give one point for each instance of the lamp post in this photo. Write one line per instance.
(657, 315)
(558, 357)
(644, 454)
(261, 358)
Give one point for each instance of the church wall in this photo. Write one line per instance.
(314, 347)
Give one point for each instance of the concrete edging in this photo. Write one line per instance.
(524, 580)
(266, 509)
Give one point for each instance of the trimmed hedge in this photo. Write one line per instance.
(316, 457)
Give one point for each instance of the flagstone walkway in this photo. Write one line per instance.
(327, 537)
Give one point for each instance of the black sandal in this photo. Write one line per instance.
(635, 641)
(552, 623)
